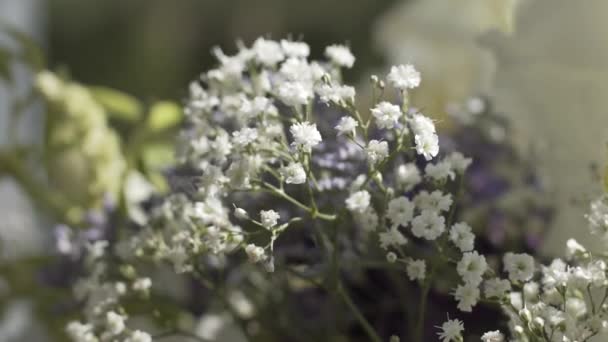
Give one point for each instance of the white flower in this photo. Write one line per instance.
(408, 176)
(368, 219)
(115, 322)
(429, 225)
(255, 253)
(471, 267)
(496, 287)
(598, 216)
(295, 49)
(433, 201)
(416, 269)
(269, 218)
(519, 266)
(305, 135)
(573, 248)
(451, 331)
(556, 274)
(79, 332)
(340, 55)
(427, 141)
(386, 114)
(400, 211)
(295, 93)
(245, 136)
(493, 336)
(142, 284)
(376, 151)
(392, 237)
(267, 52)
(404, 77)
(294, 173)
(358, 201)
(391, 257)
(467, 296)
(458, 162)
(440, 171)
(336, 93)
(97, 249)
(139, 336)
(346, 125)
(462, 237)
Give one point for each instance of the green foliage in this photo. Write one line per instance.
(164, 115)
(118, 105)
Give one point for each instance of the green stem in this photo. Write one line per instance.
(419, 337)
(371, 333)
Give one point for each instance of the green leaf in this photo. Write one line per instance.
(5, 65)
(164, 115)
(118, 104)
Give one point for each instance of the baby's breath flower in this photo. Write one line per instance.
(139, 336)
(115, 322)
(386, 114)
(346, 125)
(295, 49)
(493, 336)
(305, 135)
(294, 173)
(440, 171)
(340, 55)
(358, 201)
(427, 141)
(400, 211)
(269, 218)
(240, 213)
(376, 151)
(392, 237)
(404, 77)
(519, 266)
(408, 176)
(428, 225)
(416, 269)
(142, 284)
(295, 93)
(337, 94)
(451, 331)
(496, 287)
(467, 296)
(255, 253)
(268, 52)
(471, 267)
(436, 200)
(462, 237)
(458, 162)
(391, 257)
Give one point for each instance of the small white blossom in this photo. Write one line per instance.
(391, 257)
(358, 201)
(368, 219)
(376, 151)
(115, 322)
(400, 211)
(79, 332)
(519, 266)
(428, 225)
(493, 336)
(467, 296)
(293, 173)
(336, 93)
(451, 331)
(427, 141)
(598, 216)
(295, 93)
(416, 269)
(496, 287)
(269, 218)
(404, 77)
(471, 267)
(295, 49)
(436, 200)
(346, 125)
(255, 253)
(305, 135)
(267, 52)
(440, 171)
(139, 336)
(245, 136)
(142, 284)
(340, 55)
(573, 248)
(392, 237)
(458, 162)
(462, 237)
(408, 176)
(386, 114)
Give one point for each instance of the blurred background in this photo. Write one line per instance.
(542, 65)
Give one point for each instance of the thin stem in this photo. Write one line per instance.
(278, 192)
(419, 335)
(371, 333)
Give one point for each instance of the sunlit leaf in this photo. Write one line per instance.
(118, 104)
(164, 115)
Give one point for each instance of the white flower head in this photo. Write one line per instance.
(376, 151)
(269, 218)
(435, 200)
(404, 77)
(115, 322)
(305, 135)
(467, 296)
(416, 269)
(347, 125)
(471, 267)
(267, 52)
(255, 253)
(139, 336)
(451, 331)
(519, 266)
(462, 237)
(493, 336)
(440, 171)
(142, 284)
(408, 176)
(386, 114)
(340, 55)
(496, 288)
(458, 162)
(425, 137)
(358, 201)
(400, 211)
(392, 237)
(294, 173)
(295, 49)
(337, 94)
(428, 225)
